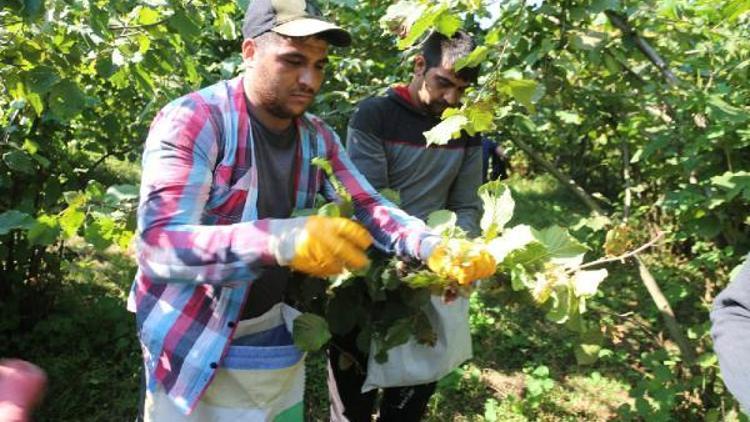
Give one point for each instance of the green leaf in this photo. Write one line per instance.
(310, 332)
(398, 333)
(226, 26)
(402, 15)
(421, 25)
(19, 161)
(587, 351)
(532, 256)
(588, 40)
(330, 209)
(442, 221)
(66, 100)
(733, 183)
(481, 118)
(30, 146)
(707, 360)
(736, 8)
(45, 230)
(41, 79)
(520, 278)
(71, 220)
(569, 117)
(474, 59)
(391, 195)
(598, 6)
(522, 90)
(563, 302)
(498, 207)
(423, 279)
(447, 24)
(123, 192)
(446, 130)
(563, 248)
(185, 26)
(720, 109)
(13, 219)
(32, 8)
(148, 16)
(423, 331)
(101, 233)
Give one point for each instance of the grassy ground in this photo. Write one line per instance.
(523, 367)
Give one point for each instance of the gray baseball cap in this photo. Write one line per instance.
(293, 18)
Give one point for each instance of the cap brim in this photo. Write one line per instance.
(308, 26)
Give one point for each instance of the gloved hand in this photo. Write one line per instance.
(461, 261)
(322, 246)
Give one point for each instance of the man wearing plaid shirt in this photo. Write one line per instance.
(223, 169)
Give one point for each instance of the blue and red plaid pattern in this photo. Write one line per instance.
(200, 244)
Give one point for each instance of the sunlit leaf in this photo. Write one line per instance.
(563, 248)
(586, 283)
(310, 332)
(446, 130)
(498, 207)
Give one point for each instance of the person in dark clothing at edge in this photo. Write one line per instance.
(494, 161)
(386, 143)
(730, 330)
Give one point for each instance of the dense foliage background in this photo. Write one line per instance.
(645, 105)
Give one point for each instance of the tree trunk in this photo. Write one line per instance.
(562, 177)
(674, 328)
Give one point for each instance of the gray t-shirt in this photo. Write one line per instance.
(274, 156)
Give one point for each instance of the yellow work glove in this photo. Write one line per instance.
(322, 246)
(461, 260)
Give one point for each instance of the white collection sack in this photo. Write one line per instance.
(412, 363)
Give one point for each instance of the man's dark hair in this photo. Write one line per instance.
(440, 50)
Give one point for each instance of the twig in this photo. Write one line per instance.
(621, 257)
(621, 22)
(148, 25)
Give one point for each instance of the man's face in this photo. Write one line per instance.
(285, 74)
(439, 87)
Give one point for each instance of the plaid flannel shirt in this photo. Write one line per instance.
(200, 244)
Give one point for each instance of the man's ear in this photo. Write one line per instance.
(249, 49)
(419, 65)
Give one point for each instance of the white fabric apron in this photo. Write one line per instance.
(412, 363)
(261, 378)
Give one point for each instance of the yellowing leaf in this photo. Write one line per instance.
(446, 130)
(481, 118)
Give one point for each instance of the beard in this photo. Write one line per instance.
(437, 109)
(280, 108)
(282, 111)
